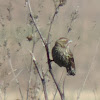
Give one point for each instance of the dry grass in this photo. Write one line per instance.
(77, 20)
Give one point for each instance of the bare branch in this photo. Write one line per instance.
(56, 11)
(64, 84)
(42, 79)
(59, 90)
(30, 71)
(61, 3)
(17, 75)
(15, 78)
(5, 90)
(47, 52)
(44, 86)
(59, 83)
(28, 3)
(0, 95)
(50, 70)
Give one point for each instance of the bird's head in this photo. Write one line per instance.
(63, 42)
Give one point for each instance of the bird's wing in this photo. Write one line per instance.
(71, 65)
(71, 58)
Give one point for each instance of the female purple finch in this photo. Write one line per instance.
(63, 56)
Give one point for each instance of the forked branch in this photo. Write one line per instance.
(42, 79)
(47, 51)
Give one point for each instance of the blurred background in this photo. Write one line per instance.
(78, 20)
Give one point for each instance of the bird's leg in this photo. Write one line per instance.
(51, 60)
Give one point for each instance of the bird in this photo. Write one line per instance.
(63, 56)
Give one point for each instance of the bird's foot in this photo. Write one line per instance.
(51, 60)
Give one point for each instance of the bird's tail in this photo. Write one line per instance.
(70, 71)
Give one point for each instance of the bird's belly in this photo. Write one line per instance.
(60, 58)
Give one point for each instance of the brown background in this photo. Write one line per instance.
(85, 34)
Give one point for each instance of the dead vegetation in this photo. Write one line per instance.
(26, 39)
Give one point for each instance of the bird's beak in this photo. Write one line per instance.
(70, 41)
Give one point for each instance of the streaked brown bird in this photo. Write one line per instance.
(63, 56)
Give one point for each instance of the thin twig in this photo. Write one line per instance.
(17, 75)
(44, 86)
(64, 84)
(47, 51)
(60, 92)
(59, 83)
(50, 70)
(87, 75)
(56, 11)
(28, 3)
(0, 95)
(30, 76)
(29, 84)
(5, 90)
(15, 78)
(94, 94)
(42, 79)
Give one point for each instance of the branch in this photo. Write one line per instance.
(28, 3)
(30, 70)
(17, 75)
(47, 51)
(56, 11)
(50, 70)
(58, 88)
(64, 84)
(59, 83)
(42, 79)
(15, 78)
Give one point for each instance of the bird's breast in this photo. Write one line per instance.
(60, 56)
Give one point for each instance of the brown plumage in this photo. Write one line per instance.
(63, 56)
